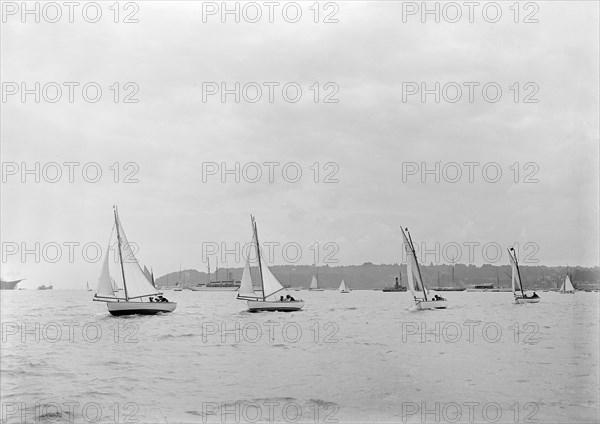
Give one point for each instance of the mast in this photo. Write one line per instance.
(262, 284)
(120, 253)
(453, 271)
(412, 248)
(208, 260)
(518, 270)
(497, 278)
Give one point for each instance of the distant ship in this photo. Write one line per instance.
(482, 287)
(9, 285)
(396, 288)
(43, 287)
(224, 285)
(452, 287)
(219, 285)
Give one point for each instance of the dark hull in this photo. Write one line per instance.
(136, 312)
(140, 308)
(394, 289)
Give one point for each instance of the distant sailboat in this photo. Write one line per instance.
(517, 283)
(314, 285)
(178, 286)
(567, 286)
(272, 290)
(343, 288)
(87, 284)
(138, 289)
(415, 280)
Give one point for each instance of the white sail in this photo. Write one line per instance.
(567, 286)
(271, 286)
(343, 287)
(314, 284)
(137, 284)
(516, 280)
(415, 284)
(246, 288)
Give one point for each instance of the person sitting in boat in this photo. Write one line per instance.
(290, 298)
(151, 299)
(281, 299)
(163, 299)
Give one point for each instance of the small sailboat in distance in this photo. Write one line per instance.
(415, 280)
(567, 286)
(272, 290)
(314, 285)
(517, 283)
(343, 287)
(87, 285)
(139, 295)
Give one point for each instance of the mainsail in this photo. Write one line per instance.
(343, 286)
(314, 284)
(121, 269)
(415, 281)
(516, 276)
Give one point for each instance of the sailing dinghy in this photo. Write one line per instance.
(344, 288)
(314, 285)
(567, 286)
(121, 270)
(517, 283)
(272, 290)
(415, 280)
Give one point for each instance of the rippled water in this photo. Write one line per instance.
(357, 357)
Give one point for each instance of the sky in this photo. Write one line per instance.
(478, 131)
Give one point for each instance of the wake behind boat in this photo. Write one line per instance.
(517, 283)
(139, 295)
(273, 296)
(415, 280)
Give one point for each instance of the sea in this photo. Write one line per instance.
(360, 357)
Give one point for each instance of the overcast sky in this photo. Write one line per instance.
(373, 139)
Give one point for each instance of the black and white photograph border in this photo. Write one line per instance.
(300, 211)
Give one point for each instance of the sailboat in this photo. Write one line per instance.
(314, 285)
(517, 283)
(87, 284)
(124, 270)
(567, 286)
(343, 288)
(272, 290)
(415, 280)
(178, 286)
